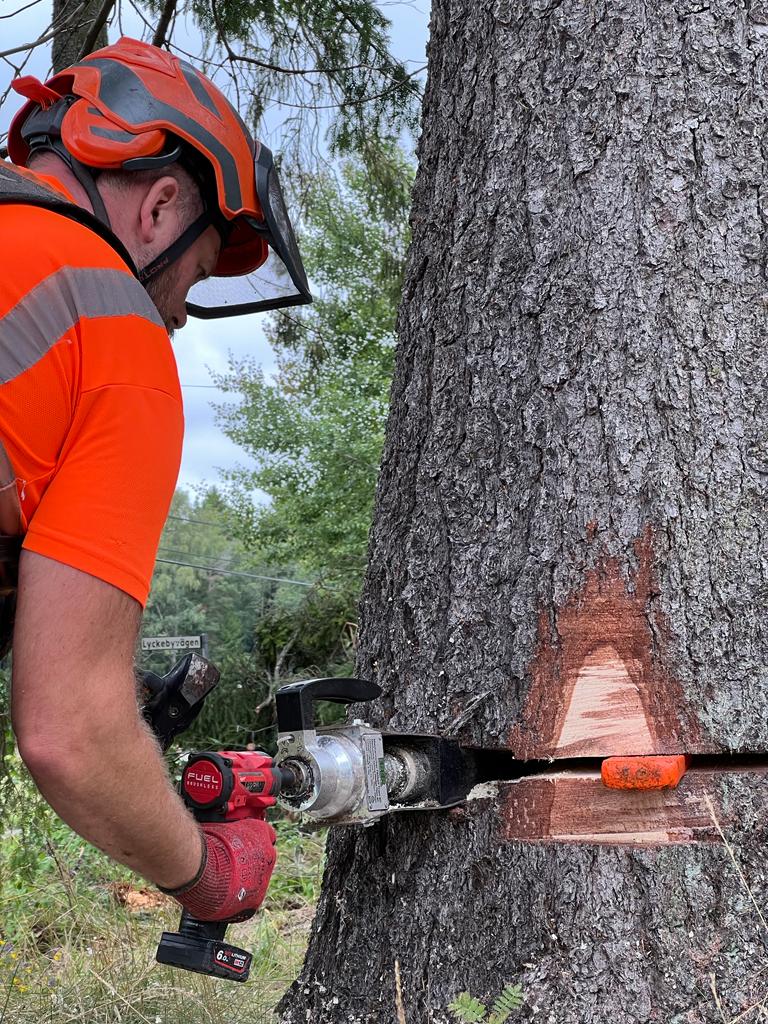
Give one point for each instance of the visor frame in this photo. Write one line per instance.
(269, 229)
(265, 169)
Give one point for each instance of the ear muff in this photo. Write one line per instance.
(244, 252)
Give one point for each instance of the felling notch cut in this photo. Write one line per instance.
(602, 692)
(600, 685)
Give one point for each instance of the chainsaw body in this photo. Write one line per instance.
(354, 774)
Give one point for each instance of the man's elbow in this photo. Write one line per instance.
(69, 746)
(52, 763)
(66, 760)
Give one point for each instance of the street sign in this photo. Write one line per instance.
(172, 643)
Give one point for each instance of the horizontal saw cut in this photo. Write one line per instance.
(575, 806)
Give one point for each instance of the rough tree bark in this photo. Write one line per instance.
(68, 45)
(568, 555)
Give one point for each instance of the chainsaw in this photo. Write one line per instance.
(348, 774)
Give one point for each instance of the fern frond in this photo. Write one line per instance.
(510, 999)
(466, 1008)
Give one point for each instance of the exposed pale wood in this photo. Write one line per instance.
(577, 807)
(605, 713)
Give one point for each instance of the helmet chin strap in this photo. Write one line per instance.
(208, 218)
(176, 249)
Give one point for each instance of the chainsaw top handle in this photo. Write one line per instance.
(295, 701)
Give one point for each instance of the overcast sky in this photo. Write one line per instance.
(203, 346)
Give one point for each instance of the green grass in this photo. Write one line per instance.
(70, 952)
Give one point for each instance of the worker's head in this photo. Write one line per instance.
(149, 211)
(163, 158)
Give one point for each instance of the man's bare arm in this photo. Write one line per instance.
(78, 726)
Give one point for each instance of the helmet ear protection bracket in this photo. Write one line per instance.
(44, 124)
(151, 163)
(42, 132)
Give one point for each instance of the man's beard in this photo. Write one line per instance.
(160, 289)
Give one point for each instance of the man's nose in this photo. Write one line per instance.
(179, 318)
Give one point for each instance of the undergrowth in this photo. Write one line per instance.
(70, 951)
(466, 1008)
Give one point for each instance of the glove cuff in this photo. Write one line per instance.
(182, 889)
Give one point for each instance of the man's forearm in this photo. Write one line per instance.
(112, 787)
(77, 723)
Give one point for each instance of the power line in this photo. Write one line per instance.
(199, 522)
(168, 549)
(233, 572)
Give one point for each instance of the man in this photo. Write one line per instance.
(133, 180)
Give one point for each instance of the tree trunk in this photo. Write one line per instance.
(568, 557)
(69, 43)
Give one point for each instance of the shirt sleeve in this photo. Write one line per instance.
(105, 507)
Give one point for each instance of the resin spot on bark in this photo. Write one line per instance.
(599, 682)
(576, 807)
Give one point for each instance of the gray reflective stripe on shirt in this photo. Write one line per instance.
(51, 308)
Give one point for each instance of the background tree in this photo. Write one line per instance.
(80, 27)
(314, 432)
(567, 555)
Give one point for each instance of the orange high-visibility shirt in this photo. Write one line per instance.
(90, 405)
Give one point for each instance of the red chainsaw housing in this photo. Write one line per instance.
(229, 785)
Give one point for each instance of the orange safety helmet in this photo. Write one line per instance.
(133, 106)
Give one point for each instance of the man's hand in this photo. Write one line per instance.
(78, 726)
(232, 883)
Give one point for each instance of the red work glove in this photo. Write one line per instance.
(235, 872)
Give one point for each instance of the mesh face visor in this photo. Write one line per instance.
(278, 282)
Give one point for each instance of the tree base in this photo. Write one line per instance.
(595, 934)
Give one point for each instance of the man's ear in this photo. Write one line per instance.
(158, 213)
